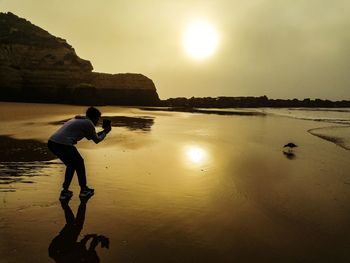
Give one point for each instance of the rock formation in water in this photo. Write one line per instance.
(36, 66)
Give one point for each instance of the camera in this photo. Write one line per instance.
(106, 123)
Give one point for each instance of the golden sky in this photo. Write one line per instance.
(278, 48)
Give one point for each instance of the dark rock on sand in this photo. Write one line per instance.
(36, 66)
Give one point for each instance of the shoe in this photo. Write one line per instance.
(86, 192)
(65, 195)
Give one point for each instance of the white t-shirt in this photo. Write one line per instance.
(76, 129)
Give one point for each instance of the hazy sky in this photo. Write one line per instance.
(278, 48)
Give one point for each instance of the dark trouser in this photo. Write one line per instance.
(70, 156)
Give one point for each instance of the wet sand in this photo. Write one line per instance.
(179, 187)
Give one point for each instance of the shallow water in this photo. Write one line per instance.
(326, 115)
(334, 122)
(187, 188)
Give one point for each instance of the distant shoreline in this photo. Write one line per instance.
(252, 102)
(204, 111)
(195, 103)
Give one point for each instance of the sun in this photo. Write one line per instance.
(200, 40)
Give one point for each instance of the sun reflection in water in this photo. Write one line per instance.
(196, 154)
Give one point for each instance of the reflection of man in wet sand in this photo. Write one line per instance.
(65, 248)
(61, 143)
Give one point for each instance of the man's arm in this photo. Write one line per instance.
(105, 130)
(96, 137)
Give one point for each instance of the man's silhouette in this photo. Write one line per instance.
(62, 142)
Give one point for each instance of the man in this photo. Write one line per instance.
(62, 142)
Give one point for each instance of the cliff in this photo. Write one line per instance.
(36, 66)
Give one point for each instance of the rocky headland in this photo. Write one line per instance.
(36, 66)
(187, 104)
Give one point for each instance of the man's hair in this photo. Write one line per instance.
(92, 113)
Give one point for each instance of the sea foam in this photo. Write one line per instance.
(338, 134)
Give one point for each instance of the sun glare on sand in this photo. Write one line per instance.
(200, 39)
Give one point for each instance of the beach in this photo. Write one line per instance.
(181, 187)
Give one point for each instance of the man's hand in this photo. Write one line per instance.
(107, 129)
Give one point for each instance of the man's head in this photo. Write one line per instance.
(93, 114)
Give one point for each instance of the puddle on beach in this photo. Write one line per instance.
(20, 160)
(14, 172)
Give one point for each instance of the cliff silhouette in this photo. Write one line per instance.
(36, 66)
